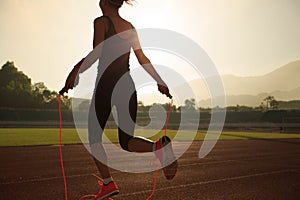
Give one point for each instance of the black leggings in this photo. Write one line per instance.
(125, 101)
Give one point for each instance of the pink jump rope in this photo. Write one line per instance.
(61, 152)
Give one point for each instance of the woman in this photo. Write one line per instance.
(106, 27)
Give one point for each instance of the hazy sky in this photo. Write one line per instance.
(244, 37)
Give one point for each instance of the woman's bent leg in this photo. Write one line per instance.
(140, 145)
(127, 122)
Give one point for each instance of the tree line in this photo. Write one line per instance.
(17, 91)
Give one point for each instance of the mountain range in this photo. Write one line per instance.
(285, 78)
(282, 83)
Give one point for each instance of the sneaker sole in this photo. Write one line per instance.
(109, 195)
(170, 171)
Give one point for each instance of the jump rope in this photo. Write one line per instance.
(62, 161)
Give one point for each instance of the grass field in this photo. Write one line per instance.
(50, 136)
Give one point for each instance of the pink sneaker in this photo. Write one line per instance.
(105, 191)
(164, 153)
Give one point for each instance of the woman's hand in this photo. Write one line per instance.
(164, 90)
(72, 81)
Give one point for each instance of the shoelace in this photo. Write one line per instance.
(100, 182)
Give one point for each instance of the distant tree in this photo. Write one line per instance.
(39, 88)
(190, 104)
(17, 91)
(262, 106)
(268, 99)
(38, 92)
(66, 102)
(12, 79)
(15, 87)
(204, 109)
(274, 104)
(166, 106)
(43, 96)
(271, 102)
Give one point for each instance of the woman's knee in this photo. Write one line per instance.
(125, 143)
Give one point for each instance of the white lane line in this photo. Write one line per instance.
(113, 172)
(117, 172)
(211, 181)
(42, 179)
(49, 179)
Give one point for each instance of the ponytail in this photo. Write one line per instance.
(119, 3)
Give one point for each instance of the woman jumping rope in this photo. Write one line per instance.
(115, 73)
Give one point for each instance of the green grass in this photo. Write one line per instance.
(50, 136)
(36, 136)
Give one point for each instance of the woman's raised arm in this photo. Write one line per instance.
(147, 65)
(100, 27)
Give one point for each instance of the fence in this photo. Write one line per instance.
(274, 121)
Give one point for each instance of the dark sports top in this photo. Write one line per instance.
(115, 56)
